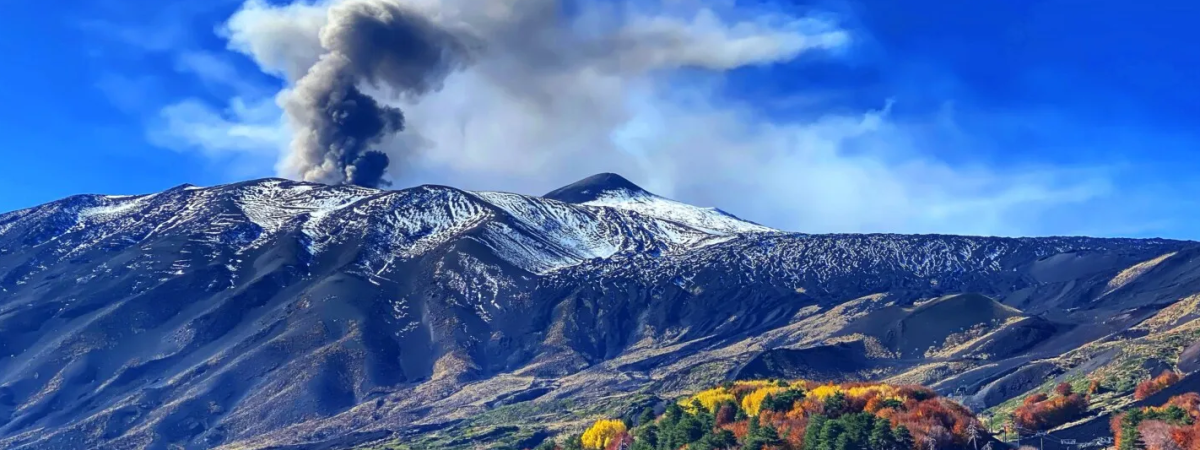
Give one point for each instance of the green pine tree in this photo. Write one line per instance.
(882, 437)
(646, 417)
(812, 434)
(904, 439)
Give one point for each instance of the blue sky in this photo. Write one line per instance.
(1102, 89)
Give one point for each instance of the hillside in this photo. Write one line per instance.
(758, 414)
(274, 313)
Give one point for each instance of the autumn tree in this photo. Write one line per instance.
(1154, 385)
(1040, 413)
(602, 433)
(646, 417)
(1063, 389)
(726, 413)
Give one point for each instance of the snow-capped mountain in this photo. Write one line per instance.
(273, 312)
(536, 234)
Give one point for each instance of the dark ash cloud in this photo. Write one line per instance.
(376, 43)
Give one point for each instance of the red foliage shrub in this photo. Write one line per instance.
(1114, 424)
(790, 427)
(1044, 414)
(739, 429)
(623, 440)
(1187, 437)
(1190, 402)
(726, 414)
(943, 421)
(1154, 385)
(1064, 389)
(1035, 398)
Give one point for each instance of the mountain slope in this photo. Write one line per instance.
(274, 312)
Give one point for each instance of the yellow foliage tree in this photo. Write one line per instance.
(880, 390)
(601, 433)
(709, 399)
(752, 402)
(824, 391)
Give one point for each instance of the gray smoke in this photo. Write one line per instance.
(376, 43)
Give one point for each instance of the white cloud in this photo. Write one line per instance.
(551, 100)
(217, 73)
(241, 128)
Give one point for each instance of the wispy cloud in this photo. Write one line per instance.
(217, 72)
(253, 128)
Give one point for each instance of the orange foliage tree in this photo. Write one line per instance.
(1063, 389)
(1039, 412)
(1154, 385)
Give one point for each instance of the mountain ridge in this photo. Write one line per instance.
(273, 313)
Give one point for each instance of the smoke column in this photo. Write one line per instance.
(379, 43)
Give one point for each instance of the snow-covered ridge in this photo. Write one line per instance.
(711, 220)
(537, 234)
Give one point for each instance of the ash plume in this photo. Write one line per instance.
(376, 43)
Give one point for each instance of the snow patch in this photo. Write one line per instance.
(711, 220)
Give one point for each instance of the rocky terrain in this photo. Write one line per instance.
(278, 314)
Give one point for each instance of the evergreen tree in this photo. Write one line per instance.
(844, 442)
(904, 439)
(783, 401)
(760, 436)
(707, 419)
(836, 404)
(723, 439)
(673, 413)
(646, 417)
(830, 432)
(882, 437)
(647, 434)
(812, 434)
(1129, 429)
(689, 429)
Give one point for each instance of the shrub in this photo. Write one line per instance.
(1063, 389)
(1038, 413)
(1154, 385)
